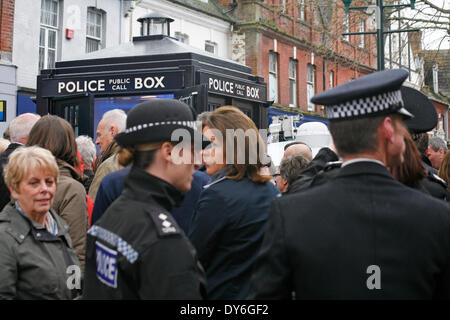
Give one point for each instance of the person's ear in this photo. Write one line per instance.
(387, 129)
(14, 194)
(166, 151)
(113, 130)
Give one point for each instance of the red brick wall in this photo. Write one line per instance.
(257, 57)
(6, 25)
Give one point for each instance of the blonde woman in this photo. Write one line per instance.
(36, 255)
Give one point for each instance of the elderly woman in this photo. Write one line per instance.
(36, 256)
(228, 225)
(56, 135)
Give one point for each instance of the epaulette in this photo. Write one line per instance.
(332, 165)
(435, 178)
(165, 224)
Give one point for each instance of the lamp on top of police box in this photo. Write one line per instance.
(155, 23)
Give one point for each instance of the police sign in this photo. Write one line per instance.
(233, 87)
(144, 82)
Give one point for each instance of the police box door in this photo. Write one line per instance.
(195, 97)
(77, 111)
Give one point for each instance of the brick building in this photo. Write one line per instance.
(8, 84)
(297, 46)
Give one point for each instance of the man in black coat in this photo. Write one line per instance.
(19, 129)
(361, 235)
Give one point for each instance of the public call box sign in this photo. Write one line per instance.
(233, 87)
(126, 83)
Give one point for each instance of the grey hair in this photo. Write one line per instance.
(292, 166)
(20, 127)
(116, 118)
(87, 149)
(202, 116)
(437, 143)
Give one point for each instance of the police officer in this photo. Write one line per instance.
(325, 166)
(361, 235)
(137, 250)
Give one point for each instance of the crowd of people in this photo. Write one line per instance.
(367, 218)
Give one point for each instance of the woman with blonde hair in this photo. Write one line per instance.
(36, 255)
(229, 221)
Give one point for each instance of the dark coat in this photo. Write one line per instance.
(324, 167)
(321, 242)
(34, 263)
(112, 185)
(227, 230)
(4, 191)
(138, 251)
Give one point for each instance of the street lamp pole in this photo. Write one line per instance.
(380, 26)
(380, 36)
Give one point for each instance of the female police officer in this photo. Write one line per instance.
(137, 250)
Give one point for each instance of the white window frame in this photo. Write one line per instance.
(47, 29)
(301, 10)
(361, 36)
(273, 76)
(310, 84)
(346, 24)
(331, 79)
(211, 45)
(91, 37)
(436, 78)
(283, 6)
(293, 82)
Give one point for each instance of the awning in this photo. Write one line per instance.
(306, 118)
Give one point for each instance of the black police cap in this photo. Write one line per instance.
(375, 94)
(425, 115)
(155, 121)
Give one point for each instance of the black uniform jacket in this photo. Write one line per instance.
(325, 167)
(137, 250)
(327, 242)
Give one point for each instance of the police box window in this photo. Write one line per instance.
(94, 29)
(48, 33)
(211, 47)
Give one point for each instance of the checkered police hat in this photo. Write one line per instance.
(372, 95)
(155, 121)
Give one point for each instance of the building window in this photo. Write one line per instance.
(292, 83)
(435, 78)
(310, 85)
(301, 9)
(345, 23)
(283, 6)
(48, 33)
(273, 76)
(331, 79)
(361, 36)
(182, 37)
(94, 30)
(211, 47)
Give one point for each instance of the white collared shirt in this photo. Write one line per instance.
(346, 163)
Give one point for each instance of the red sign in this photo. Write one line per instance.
(69, 33)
